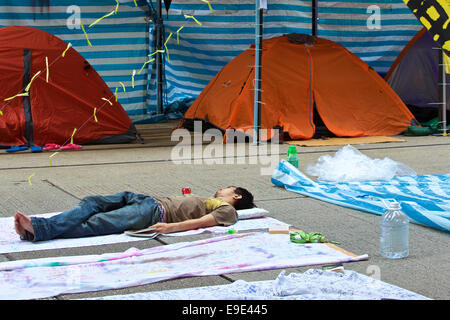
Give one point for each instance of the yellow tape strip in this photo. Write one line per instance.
(51, 157)
(1, 112)
(115, 93)
(107, 101)
(17, 95)
(95, 116)
(32, 79)
(100, 19)
(132, 78)
(162, 51)
(71, 138)
(85, 34)
(168, 38)
(123, 86)
(135, 3)
(178, 34)
(68, 47)
(29, 179)
(192, 17)
(165, 46)
(117, 6)
(209, 5)
(46, 67)
(145, 65)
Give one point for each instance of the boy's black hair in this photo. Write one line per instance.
(246, 202)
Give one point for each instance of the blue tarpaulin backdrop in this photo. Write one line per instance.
(375, 30)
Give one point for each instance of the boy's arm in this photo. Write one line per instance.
(207, 220)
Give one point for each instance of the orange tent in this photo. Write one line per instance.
(298, 72)
(68, 94)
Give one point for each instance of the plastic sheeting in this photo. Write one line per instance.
(314, 284)
(425, 199)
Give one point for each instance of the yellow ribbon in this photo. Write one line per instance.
(51, 157)
(117, 6)
(71, 138)
(68, 47)
(32, 79)
(162, 51)
(192, 17)
(123, 86)
(17, 95)
(100, 19)
(115, 93)
(132, 78)
(107, 101)
(209, 5)
(85, 34)
(165, 46)
(145, 65)
(46, 66)
(135, 3)
(95, 117)
(29, 179)
(178, 34)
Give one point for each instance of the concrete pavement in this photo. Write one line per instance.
(75, 174)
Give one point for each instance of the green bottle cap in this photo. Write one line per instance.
(292, 150)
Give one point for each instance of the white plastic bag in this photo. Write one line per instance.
(349, 164)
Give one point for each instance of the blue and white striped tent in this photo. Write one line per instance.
(375, 30)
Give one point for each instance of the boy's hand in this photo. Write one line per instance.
(162, 227)
(191, 224)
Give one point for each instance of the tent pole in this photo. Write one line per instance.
(443, 113)
(258, 66)
(159, 57)
(314, 18)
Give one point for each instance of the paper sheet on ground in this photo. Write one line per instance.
(10, 241)
(40, 278)
(314, 284)
(425, 199)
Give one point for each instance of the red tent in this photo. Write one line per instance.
(67, 95)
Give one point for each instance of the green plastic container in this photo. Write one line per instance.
(292, 156)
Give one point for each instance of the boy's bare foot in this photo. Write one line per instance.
(22, 223)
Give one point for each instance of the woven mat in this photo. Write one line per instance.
(343, 141)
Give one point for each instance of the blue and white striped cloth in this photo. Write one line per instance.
(425, 199)
(123, 41)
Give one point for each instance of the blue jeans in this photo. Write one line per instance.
(100, 215)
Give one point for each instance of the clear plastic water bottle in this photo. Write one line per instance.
(292, 156)
(394, 229)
